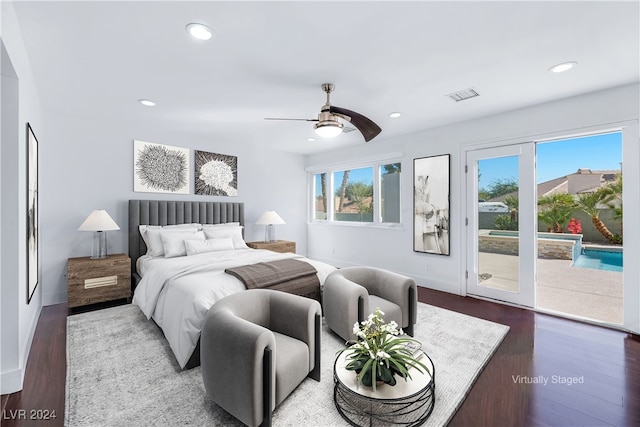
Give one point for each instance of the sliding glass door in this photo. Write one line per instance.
(545, 226)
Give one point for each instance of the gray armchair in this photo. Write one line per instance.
(350, 294)
(256, 347)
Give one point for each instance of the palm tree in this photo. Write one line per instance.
(343, 189)
(323, 190)
(615, 204)
(556, 210)
(589, 203)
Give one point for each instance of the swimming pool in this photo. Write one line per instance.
(600, 259)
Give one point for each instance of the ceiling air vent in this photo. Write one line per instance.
(461, 95)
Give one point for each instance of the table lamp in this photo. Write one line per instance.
(100, 222)
(269, 218)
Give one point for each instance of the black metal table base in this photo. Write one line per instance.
(360, 410)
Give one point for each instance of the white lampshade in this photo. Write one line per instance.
(328, 129)
(270, 217)
(99, 221)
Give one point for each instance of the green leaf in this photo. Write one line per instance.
(355, 365)
(385, 374)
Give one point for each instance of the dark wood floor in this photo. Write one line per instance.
(603, 364)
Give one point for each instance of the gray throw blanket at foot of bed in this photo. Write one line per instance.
(288, 275)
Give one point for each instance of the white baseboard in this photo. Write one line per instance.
(425, 282)
(54, 298)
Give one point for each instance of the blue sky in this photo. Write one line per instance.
(559, 158)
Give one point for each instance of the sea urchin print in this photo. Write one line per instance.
(161, 168)
(216, 174)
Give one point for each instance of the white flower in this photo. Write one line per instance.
(356, 328)
(382, 355)
(391, 328)
(357, 346)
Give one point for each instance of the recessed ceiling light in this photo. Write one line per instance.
(395, 114)
(563, 67)
(147, 102)
(199, 31)
(311, 139)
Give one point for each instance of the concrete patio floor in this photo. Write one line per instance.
(584, 292)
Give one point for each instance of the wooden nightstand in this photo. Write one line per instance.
(277, 246)
(92, 281)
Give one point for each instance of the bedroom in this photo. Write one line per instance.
(86, 145)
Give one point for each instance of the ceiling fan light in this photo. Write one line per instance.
(328, 129)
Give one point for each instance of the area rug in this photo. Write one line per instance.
(121, 371)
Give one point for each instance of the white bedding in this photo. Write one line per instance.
(178, 292)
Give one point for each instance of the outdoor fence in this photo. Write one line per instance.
(486, 221)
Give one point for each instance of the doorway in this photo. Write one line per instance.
(501, 263)
(545, 226)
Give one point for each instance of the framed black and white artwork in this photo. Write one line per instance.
(431, 204)
(161, 168)
(215, 174)
(33, 244)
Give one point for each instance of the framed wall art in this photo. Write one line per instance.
(431, 204)
(33, 244)
(160, 168)
(215, 174)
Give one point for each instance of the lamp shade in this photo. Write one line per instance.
(98, 220)
(328, 129)
(270, 217)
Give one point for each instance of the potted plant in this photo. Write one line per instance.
(379, 352)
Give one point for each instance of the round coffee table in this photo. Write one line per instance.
(408, 403)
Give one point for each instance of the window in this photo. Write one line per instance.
(320, 199)
(390, 192)
(353, 190)
(366, 194)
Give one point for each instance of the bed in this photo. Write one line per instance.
(176, 289)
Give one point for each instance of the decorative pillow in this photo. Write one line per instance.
(154, 241)
(174, 243)
(234, 231)
(210, 245)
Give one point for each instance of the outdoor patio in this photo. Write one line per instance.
(584, 292)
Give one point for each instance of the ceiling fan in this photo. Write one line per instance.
(328, 126)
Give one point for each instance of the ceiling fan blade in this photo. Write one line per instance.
(279, 118)
(366, 126)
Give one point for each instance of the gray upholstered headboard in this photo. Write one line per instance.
(163, 212)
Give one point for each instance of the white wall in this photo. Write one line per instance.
(88, 164)
(392, 248)
(19, 318)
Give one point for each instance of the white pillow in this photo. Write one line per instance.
(174, 243)
(234, 231)
(210, 245)
(143, 229)
(225, 224)
(154, 241)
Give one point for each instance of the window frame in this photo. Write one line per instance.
(375, 163)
